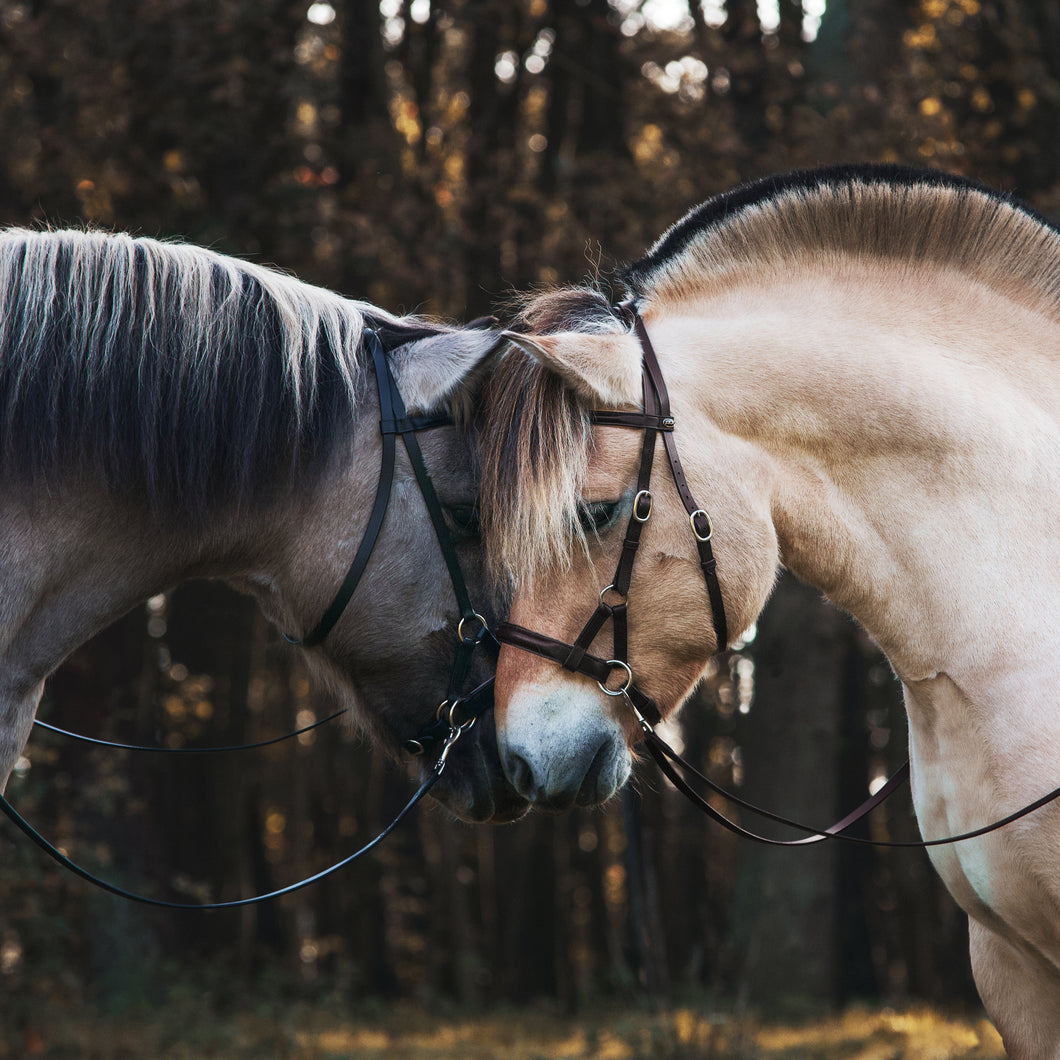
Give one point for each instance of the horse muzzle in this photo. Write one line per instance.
(562, 748)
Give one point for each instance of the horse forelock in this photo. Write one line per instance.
(536, 442)
(167, 368)
(921, 218)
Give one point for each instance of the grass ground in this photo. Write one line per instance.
(302, 1032)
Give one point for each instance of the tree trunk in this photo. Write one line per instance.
(786, 917)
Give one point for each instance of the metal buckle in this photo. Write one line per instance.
(695, 529)
(636, 506)
(625, 684)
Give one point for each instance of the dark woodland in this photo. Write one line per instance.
(437, 156)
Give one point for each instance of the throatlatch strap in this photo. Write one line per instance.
(704, 531)
(394, 420)
(434, 507)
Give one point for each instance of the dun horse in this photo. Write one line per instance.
(167, 412)
(864, 373)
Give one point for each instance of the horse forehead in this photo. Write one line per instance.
(449, 453)
(614, 460)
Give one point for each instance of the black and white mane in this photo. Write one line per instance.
(167, 369)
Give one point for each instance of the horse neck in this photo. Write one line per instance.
(910, 425)
(77, 557)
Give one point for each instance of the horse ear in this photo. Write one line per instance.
(431, 371)
(606, 368)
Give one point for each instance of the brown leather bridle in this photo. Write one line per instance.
(656, 419)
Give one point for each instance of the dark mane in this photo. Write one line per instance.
(167, 370)
(717, 211)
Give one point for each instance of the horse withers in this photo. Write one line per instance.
(863, 368)
(167, 412)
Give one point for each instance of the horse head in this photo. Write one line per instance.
(564, 488)
(171, 413)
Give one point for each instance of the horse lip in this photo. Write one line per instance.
(479, 803)
(590, 793)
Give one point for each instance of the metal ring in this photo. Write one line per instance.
(636, 502)
(626, 684)
(441, 706)
(695, 530)
(463, 726)
(475, 617)
(611, 589)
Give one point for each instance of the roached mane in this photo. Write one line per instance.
(536, 441)
(867, 213)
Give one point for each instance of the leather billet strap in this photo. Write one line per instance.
(387, 415)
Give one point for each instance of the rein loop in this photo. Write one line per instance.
(57, 855)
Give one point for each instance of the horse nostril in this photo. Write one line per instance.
(603, 777)
(520, 774)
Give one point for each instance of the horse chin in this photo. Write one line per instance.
(477, 804)
(474, 786)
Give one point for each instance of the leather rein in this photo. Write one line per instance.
(457, 713)
(656, 420)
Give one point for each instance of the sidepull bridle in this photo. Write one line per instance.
(457, 709)
(655, 420)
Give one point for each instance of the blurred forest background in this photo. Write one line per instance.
(434, 155)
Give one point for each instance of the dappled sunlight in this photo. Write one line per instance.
(921, 1034)
(407, 1032)
(859, 1034)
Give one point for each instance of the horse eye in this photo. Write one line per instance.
(598, 516)
(464, 519)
